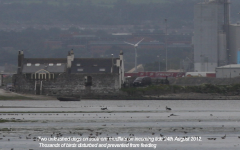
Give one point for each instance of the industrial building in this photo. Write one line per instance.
(228, 71)
(234, 40)
(211, 35)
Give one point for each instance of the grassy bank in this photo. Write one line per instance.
(155, 92)
(15, 98)
(229, 90)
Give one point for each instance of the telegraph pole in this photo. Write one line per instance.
(166, 32)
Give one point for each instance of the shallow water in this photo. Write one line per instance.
(124, 118)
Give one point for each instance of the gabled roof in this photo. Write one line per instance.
(44, 60)
(94, 65)
(51, 69)
(42, 71)
(32, 65)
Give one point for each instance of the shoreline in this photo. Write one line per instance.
(8, 95)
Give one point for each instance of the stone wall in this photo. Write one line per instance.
(70, 85)
(21, 85)
(1, 81)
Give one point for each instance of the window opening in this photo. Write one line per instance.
(102, 69)
(80, 69)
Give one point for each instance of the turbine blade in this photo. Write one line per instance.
(129, 43)
(139, 41)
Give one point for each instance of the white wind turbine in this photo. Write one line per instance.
(135, 47)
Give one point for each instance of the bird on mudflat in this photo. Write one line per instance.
(172, 115)
(212, 138)
(224, 136)
(104, 108)
(167, 108)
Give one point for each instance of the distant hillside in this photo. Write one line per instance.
(102, 12)
(99, 2)
(92, 12)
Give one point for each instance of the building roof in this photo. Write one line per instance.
(121, 34)
(235, 25)
(51, 69)
(52, 65)
(123, 43)
(79, 65)
(94, 65)
(44, 60)
(210, 2)
(229, 66)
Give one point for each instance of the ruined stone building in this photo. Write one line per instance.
(69, 76)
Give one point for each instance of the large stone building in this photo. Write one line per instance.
(69, 76)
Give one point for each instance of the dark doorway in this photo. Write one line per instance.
(88, 80)
(38, 89)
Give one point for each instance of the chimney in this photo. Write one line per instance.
(69, 62)
(112, 64)
(121, 68)
(72, 54)
(121, 55)
(20, 61)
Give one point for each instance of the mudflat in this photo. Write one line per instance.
(125, 124)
